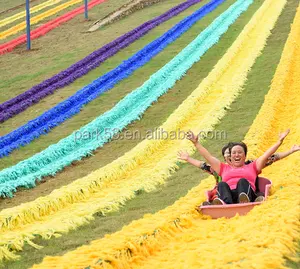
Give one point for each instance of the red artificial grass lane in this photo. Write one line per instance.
(47, 27)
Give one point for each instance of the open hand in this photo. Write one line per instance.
(192, 137)
(183, 155)
(295, 148)
(283, 135)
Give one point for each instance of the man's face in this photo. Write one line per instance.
(227, 155)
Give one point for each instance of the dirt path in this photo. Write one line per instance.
(123, 11)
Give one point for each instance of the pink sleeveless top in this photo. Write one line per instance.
(231, 175)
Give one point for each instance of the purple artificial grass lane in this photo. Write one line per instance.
(21, 102)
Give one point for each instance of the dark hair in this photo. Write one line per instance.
(226, 147)
(242, 144)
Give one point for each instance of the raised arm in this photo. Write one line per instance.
(262, 160)
(186, 157)
(214, 162)
(281, 155)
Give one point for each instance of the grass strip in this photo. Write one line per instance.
(176, 232)
(238, 60)
(236, 122)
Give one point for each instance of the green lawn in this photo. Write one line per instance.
(156, 115)
(236, 123)
(43, 66)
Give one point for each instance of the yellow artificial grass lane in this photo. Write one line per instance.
(178, 237)
(36, 25)
(21, 26)
(36, 49)
(22, 14)
(9, 8)
(150, 162)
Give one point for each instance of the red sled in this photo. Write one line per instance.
(229, 211)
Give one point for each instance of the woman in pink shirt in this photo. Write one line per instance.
(238, 178)
(238, 181)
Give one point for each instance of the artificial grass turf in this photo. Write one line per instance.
(236, 123)
(153, 117)
(98, 106)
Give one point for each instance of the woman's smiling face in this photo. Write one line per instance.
(237, 156)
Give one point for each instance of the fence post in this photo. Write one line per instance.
(28, 25)
(86, 9)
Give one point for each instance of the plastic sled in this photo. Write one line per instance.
(229, 211)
